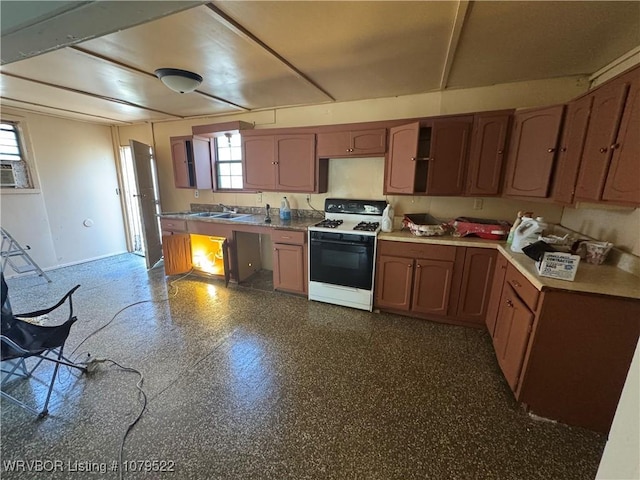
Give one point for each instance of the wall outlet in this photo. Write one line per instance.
(259, 197)
(477, 204)
(196, 193)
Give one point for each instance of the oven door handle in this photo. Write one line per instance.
(337, 242)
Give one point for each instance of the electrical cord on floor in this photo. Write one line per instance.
(172, 284)
(92, 364)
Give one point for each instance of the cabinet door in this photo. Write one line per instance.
(295, 162)
(623, 179)
(202, 162)
(183, 165)
(532, 152)
(511, 335)
(288, 268)
(496, 293)
(258, 162)
(432, 286)
(394, 276)
(476, 284)
(334, 144)
(176, 249)
(369, 142)
(401, 162)
(569, 156)
(486, 155)
(448, 158)
(606, 112)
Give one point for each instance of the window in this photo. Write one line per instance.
(229, 161)
(13, 166)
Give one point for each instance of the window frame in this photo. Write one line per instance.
(216, 163)
(26, 152)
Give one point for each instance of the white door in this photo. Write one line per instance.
(148, 201)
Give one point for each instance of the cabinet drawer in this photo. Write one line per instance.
(523, 288)
(291, 237)
(173, 225)
(417, 250)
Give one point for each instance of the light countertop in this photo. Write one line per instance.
(596, 279)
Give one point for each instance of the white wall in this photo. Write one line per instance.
(76, 168)
(621, 457)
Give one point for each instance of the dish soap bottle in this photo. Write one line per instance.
(285, 209)
(387, 219)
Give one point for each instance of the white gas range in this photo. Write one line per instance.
(342, 251)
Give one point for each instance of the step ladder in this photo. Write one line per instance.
(17, 257)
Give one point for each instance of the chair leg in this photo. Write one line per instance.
(45, 409)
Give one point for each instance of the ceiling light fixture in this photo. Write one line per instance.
(181, 81)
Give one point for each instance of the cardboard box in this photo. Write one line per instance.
(562, 266)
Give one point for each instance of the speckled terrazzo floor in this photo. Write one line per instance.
(246, 384)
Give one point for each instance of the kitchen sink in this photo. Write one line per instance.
(204, 214)
(232, 216)
(225, 215)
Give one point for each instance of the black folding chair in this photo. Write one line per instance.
(21, 340)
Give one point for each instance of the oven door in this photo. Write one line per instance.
(342, 259)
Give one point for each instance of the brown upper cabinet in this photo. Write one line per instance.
(532, 152)
(191, 156)
(606, 113)
(487, 153)
(283, 163)
(623, 178)
(428, 157)
(569, 156)
(352, 143)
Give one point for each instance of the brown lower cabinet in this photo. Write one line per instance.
(564, 354)
(437, 282)
(289, 260)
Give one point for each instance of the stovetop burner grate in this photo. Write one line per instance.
(328, 223)
(367, 226)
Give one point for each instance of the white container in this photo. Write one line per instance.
(387, 219)
(527, 233)
(285, 209)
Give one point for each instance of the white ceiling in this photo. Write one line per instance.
(95, 60)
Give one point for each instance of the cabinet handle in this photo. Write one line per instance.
(413, 159)
(418, 265)
(500, 152)
(509, 303)
(410, 266)
(516, 284)
(615, 146)
(503, 267)
(563, 149)
(551, 150)
(349, 149)
(603, 150)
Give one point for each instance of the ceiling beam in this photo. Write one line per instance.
(33, 28)
(240, 30)
(89, 94)
(131, 68)
(58, 109)
(456, 33)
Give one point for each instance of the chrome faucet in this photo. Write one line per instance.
(227, 209)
